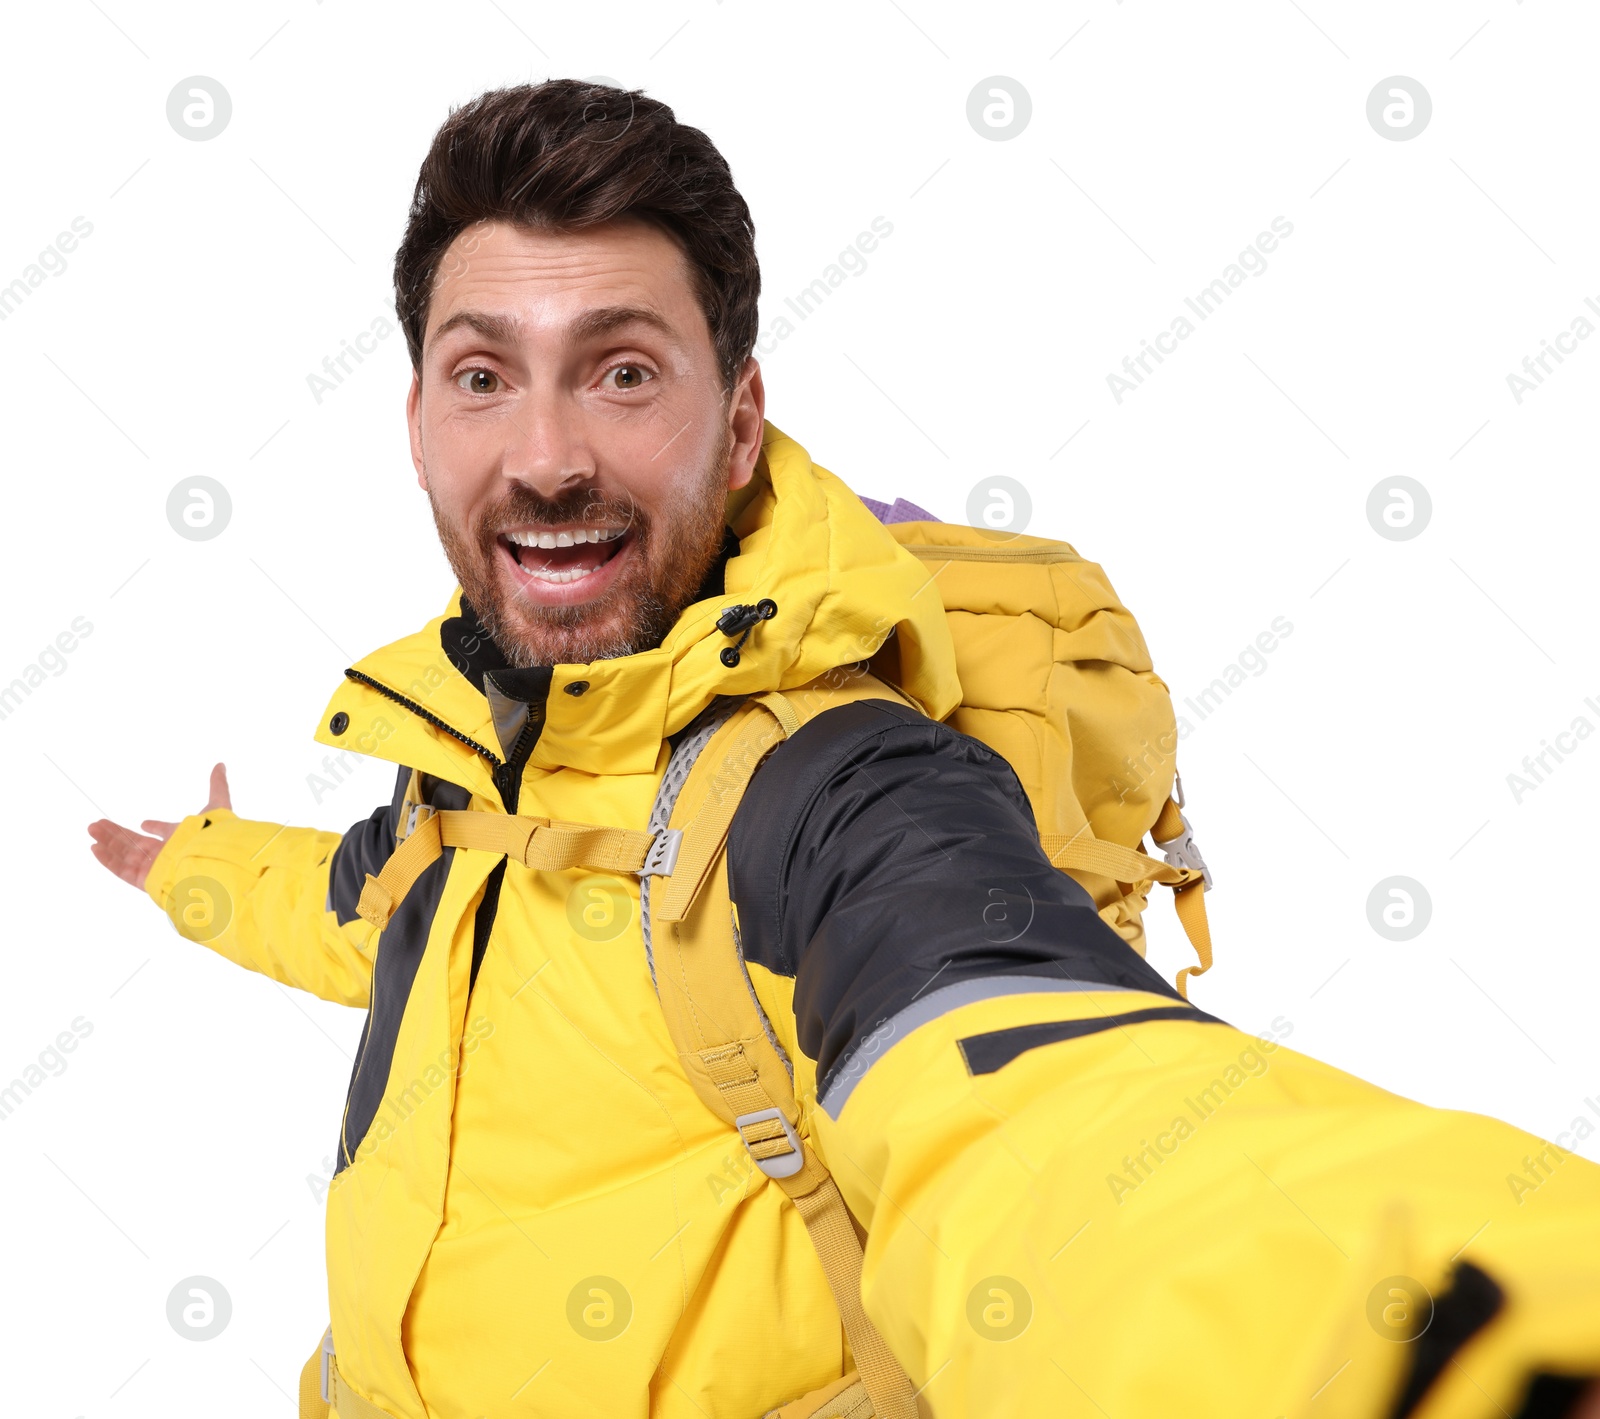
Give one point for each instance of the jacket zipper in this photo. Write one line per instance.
(508, 783)
(507, 774)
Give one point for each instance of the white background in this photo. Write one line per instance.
(188, 1130)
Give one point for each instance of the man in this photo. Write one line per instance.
(540, 1208)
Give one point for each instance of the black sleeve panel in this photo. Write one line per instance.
(878, 853)
(363, 849)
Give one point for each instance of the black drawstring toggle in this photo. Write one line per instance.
(740, 621)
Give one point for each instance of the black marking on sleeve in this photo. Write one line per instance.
(993, 1050)
(1471, 1301)
(1554, 1396)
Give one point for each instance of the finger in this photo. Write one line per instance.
(115, 860)
(219, 788)
(160, 829)
(103, 830)
(120, 864)
(125, 853)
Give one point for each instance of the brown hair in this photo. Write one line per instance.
(565, 155)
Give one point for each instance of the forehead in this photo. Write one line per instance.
(549, 278)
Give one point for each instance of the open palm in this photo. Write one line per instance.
(129, 854)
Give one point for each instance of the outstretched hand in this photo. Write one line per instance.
(129, 854)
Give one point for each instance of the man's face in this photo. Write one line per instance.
(571, 428)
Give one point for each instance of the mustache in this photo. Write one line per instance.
(522, 507)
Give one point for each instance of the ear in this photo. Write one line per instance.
(414, 426)
(747, 409)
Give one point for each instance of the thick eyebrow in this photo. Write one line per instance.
(594, 323)
(589, 326)
(499, 328)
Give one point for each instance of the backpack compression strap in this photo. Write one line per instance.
(322, 1386)
(1183, 871)
(551, 846)
(538, 843)
(723, 1037)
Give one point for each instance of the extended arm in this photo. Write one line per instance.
(278, 900)
(1084, 1196)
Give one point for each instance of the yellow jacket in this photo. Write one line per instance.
(1076, 1200)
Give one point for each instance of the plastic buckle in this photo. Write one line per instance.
(785, 1165)
(1183, 851)
(327, 1357)
(412, 816)
(663, 854)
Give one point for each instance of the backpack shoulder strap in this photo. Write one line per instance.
(717, 1024)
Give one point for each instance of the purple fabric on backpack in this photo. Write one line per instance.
(899, 511)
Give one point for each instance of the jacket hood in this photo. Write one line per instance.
(842, 585)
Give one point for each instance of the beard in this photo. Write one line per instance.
(669, 555)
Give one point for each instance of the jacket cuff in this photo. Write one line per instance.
(171, 862)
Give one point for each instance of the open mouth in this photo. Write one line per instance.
(565, 561)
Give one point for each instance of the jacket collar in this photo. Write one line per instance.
(519, 696)
(842, 585)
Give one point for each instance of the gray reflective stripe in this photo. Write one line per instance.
(852, 1068)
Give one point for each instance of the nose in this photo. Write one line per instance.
(547, 449)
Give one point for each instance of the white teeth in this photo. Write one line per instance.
(568, 537)
(545, 575)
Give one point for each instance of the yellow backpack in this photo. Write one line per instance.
(1055, 677)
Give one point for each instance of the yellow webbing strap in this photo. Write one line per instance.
(833, 1233)
(782, 709)
(347, 1404)
(822, 1207)
(704, 835)
(1190, 904)
(845, 1398)
(742, 1092)
(722, 1038)
(1169, 824)
(1084, 852)
(312, 1404)
(538, 843)
(548, 845)
(1188, 900)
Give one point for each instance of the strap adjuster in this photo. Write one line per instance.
(1183, 851)
(783, 1165)
(663, 854)
(327, 1356)
(412, 817)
